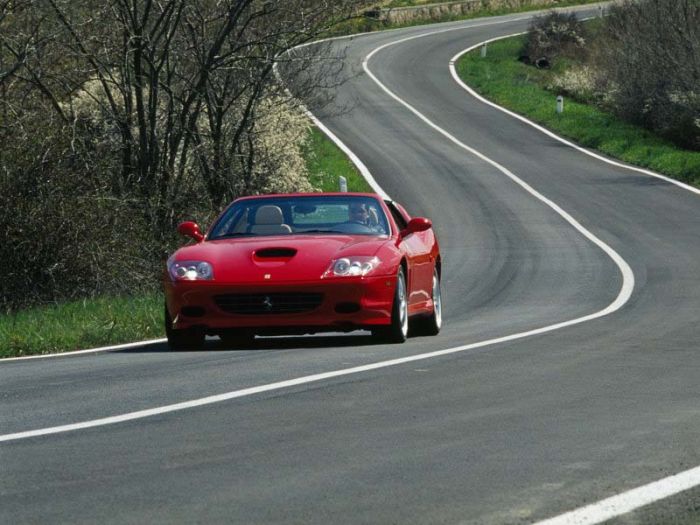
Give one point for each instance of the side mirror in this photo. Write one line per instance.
(415, 225)
(190, 229)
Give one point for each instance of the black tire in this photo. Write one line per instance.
(187, 339)
(431, 324)
(397, 331)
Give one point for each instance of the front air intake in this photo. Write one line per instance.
(272, 303)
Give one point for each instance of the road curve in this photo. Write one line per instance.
(509, 432)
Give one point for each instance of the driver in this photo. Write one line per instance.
(358, 213)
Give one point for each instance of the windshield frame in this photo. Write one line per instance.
(240, 208)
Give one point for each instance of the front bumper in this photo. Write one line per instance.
(347, 304)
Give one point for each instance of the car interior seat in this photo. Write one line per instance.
(269, 220)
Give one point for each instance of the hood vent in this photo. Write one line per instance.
(275, 253)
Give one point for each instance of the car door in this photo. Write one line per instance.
(417, 247)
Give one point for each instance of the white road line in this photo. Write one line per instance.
(622, 298)
(634, 499)
(351, 154)
(165, 409)
(629, 501)
(82, 352)
(625, 269)
(455, 76)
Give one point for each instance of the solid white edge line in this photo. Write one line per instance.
(628, 501)
(623, 296)
(351, 155)
(123, 346)
(644, 495)
(626, 271)
(455, 76)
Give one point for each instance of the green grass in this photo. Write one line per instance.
(81, 324)
(326, 162)
(509, 83)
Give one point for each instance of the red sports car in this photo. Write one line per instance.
(304, 263)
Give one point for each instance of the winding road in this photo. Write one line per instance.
(567, 370)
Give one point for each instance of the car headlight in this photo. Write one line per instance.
(190, 271)
(351, 266)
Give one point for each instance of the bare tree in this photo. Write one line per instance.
(119, 116)
(181, 82)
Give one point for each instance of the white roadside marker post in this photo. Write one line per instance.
(560, 104)
(343, 184)
(484, 48)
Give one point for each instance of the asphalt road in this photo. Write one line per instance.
(510, 432)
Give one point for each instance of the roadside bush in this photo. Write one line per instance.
(280, 132)
(553, 35)
(65, 233)
(649, 60)
(69, 229)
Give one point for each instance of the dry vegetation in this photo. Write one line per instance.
(120, 118)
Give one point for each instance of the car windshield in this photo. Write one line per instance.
(323, 214)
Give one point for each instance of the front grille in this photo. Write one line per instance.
(271, 303)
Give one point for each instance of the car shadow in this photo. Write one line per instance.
(266, 343)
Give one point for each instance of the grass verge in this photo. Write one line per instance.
(81, 324)
(511, 84)
(107, 321)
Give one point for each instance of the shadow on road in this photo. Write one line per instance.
(266, 343)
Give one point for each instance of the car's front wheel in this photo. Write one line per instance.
(187, 339)
(431, 325)
(397, 331)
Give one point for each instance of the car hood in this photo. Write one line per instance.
(276, 259)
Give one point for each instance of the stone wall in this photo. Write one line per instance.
(440, 11)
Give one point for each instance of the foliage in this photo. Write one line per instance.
(577, 81)
(552, 35)
(648, 60)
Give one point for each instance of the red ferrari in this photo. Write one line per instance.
(304, 263)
